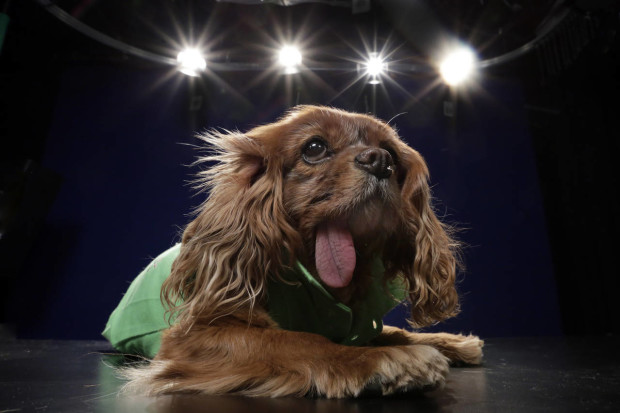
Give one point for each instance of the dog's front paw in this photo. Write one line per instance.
(406, 368)
(464, 349)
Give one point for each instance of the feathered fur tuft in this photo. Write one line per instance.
(237, 238)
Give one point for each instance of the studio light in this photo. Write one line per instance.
(458, 66)
(290, 58)
(375, 68)
(191, 62)
(375, 65)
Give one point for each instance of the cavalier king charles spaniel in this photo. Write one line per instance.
(314, 227)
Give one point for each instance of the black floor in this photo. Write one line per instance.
(518, 375)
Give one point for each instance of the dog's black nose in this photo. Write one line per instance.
(376, 161)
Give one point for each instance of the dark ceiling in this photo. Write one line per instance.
(38, 45)
(236, 32)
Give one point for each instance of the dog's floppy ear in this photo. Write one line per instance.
(426, 254)
(239, 235)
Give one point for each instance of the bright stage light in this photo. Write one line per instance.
(375, 66)
(191, 62)
(290, 58)
(457, 66)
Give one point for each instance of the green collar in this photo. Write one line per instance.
(306, 305)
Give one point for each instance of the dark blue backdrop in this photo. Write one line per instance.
(118, 140)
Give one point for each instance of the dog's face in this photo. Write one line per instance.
(343, 168)
(330, 188)
(343, 191)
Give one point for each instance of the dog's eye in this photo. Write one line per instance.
(315, 150)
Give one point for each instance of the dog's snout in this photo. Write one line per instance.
(376, 161)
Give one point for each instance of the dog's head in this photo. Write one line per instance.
(330, 188)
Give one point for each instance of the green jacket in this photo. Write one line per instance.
(135, 326)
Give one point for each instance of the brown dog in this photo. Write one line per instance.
(340, 195)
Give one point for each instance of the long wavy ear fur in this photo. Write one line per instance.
(427, 256)
(238, 236)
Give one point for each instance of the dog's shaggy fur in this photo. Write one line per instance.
(270, 191)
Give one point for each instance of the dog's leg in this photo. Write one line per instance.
(457, 347)
(271, 362)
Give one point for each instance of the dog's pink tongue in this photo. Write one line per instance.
(334, 254)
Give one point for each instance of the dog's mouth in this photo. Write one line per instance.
(334, 253)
